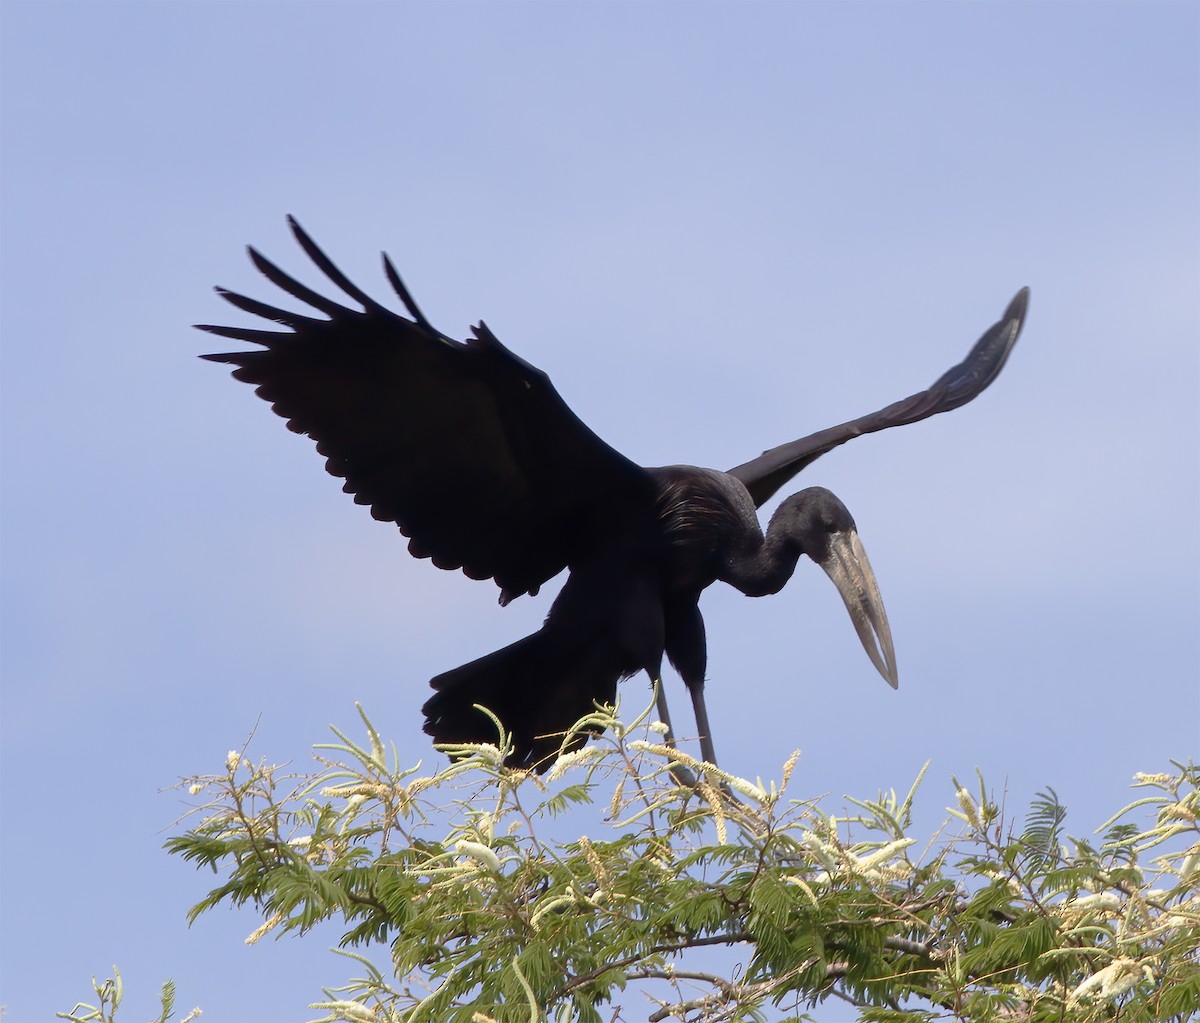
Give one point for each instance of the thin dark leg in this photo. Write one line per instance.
(664, 715)
(680, 773)
(707, 753)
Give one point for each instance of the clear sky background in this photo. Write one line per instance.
(717, 227)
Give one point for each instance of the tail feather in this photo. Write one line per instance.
(537, 687)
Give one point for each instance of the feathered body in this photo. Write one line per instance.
(473, 454)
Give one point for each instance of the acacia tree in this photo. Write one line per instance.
(474, 890)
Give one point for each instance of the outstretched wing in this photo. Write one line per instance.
(466, 447)
(772, 469)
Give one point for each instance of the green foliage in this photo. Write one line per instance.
(470, 895)
(108, 1000)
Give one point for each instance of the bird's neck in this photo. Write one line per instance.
(765, 568)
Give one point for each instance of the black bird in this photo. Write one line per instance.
(474, 455)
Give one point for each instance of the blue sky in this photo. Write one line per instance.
(718, 227)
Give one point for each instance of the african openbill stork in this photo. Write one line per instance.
(474, 455)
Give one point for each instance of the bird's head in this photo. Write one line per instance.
(826, 532)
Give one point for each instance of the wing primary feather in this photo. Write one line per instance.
(1018, 307)
(257, 337)
(421, 431)
(293, 287)
(959, 384)
(764, 475)
(267, 312)
(398, 286)
(327, 267)
(236, 358)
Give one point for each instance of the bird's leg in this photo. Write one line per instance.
(681, 774)
(664, 715)
(707, 753)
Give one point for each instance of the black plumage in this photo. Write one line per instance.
(473, 454)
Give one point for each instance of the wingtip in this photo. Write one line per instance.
(483, 334)
(1019, 305)
(402, 292)
(298, 232)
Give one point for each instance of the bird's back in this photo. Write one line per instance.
(703, 514)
